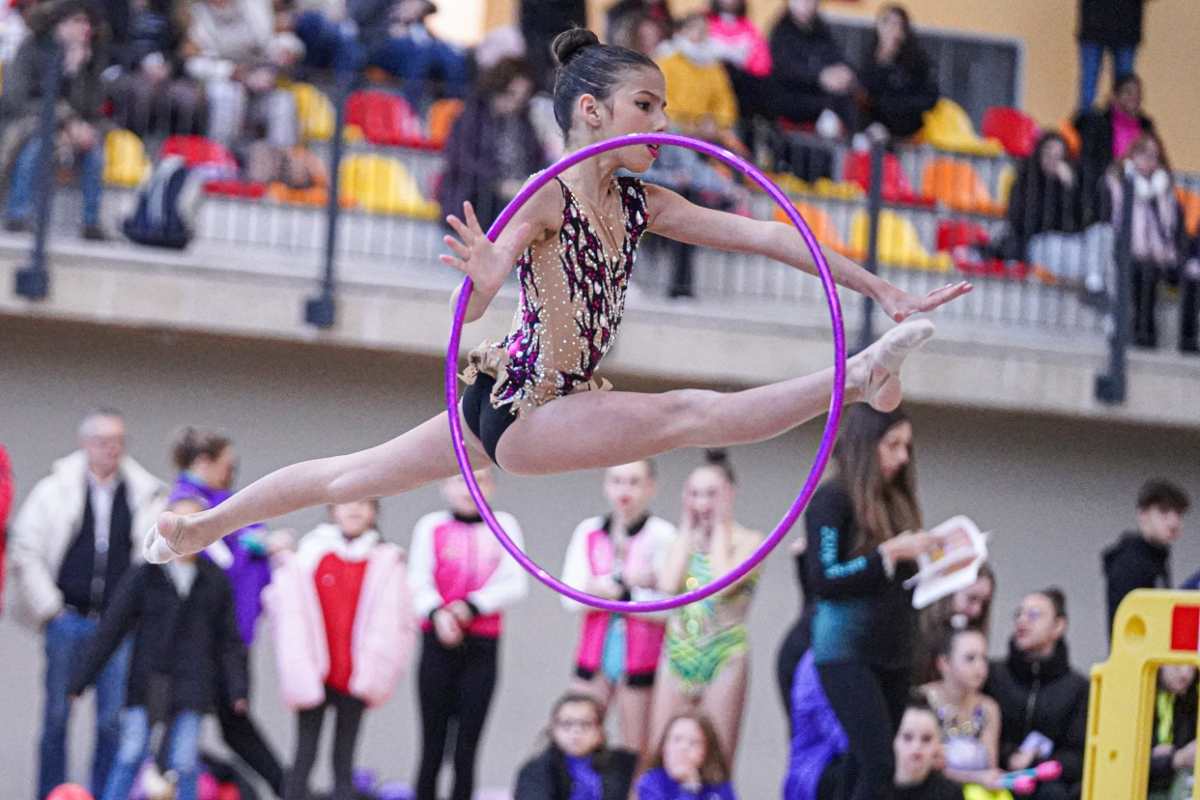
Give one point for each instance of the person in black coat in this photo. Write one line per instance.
(1097, 135)
(1045, 197)
(576, 764)
(1113, 25)
(795, 643)
(1142, 559)
(493, 146)
(809, 71)
(185, 644)
(1043, 701)
(896, 75)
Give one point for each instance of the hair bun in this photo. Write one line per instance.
(718, 457)
(570, 42)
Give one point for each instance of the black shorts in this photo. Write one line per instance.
(487, 422)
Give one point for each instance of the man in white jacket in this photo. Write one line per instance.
(72, 541)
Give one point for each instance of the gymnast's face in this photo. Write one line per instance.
(967, 665)
(577, 729)
(895, 450)
(637, 104)
(916, 746)
(629, 488)
(971, 601)
(708, 497)
(354, 519)
(458, 497)
(684, 750)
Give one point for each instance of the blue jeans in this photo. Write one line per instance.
(418, 64)
(1091, 54)
(67, 638)
(24, 174)
(183, 756)
(327, 44)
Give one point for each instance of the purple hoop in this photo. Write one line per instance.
(835, 403)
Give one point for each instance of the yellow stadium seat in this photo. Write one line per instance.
(315, 112)
(1004, 184)
(899, 243)
(382, 185)
(956, 184)
(946, 126)
(125, 162)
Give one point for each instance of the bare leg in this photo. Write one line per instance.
(724, 701)
(670, 698)
(598, 687)
(600, 429)
(634, 704)
(409, 461)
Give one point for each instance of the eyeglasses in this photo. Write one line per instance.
(1030, 614)
(575, 724)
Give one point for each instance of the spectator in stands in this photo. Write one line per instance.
(541, 21)
(641, 33)
(700, 96)
(73, 540)
(967, 608)
(917, 748)
(1189, 302)
(79, 134)
(1112, 25)
(811, 75)
(493, 146)
(239, 59)
(688, 762)
(13, 29)
(187, 659)
(398, 40)
(1105, 136)
(6, 497)
(150, 92)
(576, 764)
(1157, 236)
(621, 12)
(330, 37)
(1141, 559)
(207, 464)
(896, 76)
(739, 42)
(1174, 739)
(1043, 701)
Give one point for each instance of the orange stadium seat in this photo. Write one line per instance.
(957, 185)
(442, 116)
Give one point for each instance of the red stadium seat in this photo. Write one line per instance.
(952, 233)
(197, 150)
(1015, 129)
(385, 118)
(896, 187)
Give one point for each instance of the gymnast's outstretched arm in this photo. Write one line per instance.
(675, 217)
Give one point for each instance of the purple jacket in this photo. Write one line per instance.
(249, 570)
(817, 735)
(657, 785)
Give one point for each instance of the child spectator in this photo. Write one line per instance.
(185, 646)
(968, 608)
(810, 73)
(1043, 701)
(461, 580)
(1142, 559)
(700, 97)
(624, 11)
(1156, 235)
(970, 720)
(738, 40)
(343, 633)
(641, 33)
(493, 146)
(1105, 136)
(78, 138)
(1112, 25)
(398, 40)
(916, 748)
(150, 92)
(897, 76)
(330, 37)
(688, 764)
(1174, 744)
(576, 764)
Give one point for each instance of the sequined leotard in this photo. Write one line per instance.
(571, 303)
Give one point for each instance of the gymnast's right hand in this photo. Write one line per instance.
(487, 263)
(907, 546)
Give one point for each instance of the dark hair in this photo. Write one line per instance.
(577, 697)
(1057, 599)
(882, 508)
(191, 443)
(495, 80)
(714, 770)
(939, 618)
(910, 56)
(1121, 81)
(587, 67)
(714, 7)
(718, 458)
(918, 702)
(950, 636)
(1162, 493)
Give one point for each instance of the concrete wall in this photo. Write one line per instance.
(1054, 491)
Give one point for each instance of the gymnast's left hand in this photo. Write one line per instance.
(487, 263)
(900, 305)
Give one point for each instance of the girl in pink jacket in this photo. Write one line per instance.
(342, 622)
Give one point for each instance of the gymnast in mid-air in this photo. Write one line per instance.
(532, 405)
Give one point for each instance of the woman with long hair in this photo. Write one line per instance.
(967, 608)
(706, 655)
(896, 75)
(863, 530)
(688, 763)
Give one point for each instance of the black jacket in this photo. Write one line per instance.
(1183, 731)
(193, 641)
(1095, 155)
(1117, 23)
(899, 92)
(545, 776)
(936, 787)
(800, 54)
(1045, 696)
(1134, 563)
(1038, 203)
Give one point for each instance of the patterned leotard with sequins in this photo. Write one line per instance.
(571, 303)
